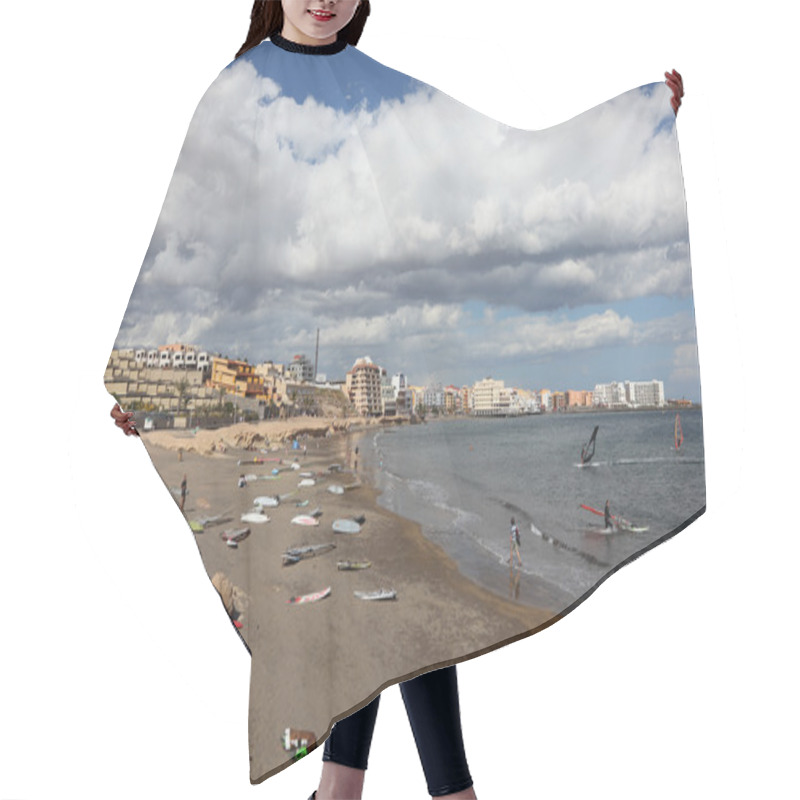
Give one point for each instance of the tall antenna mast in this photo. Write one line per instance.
(316, 358)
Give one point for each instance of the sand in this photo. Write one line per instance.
(318, 662)
(251, 436)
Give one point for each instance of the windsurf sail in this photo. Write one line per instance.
(587, 451)
(678, 432)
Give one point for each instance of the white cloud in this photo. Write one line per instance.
(685, 364)
(378, 225)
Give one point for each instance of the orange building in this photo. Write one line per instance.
(237, 377)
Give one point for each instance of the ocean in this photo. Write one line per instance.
(463, 479)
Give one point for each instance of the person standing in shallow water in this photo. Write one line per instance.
(515, 542)
(431, 699)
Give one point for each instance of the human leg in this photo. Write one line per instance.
(433, 710)
(346, 754)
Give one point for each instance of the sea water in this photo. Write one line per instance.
(462, 479)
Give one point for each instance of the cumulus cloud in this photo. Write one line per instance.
(685, 365)
(380, 223)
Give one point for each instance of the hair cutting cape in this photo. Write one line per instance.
(344, 257)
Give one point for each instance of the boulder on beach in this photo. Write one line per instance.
(225, 588)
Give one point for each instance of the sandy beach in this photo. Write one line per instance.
(314, 663)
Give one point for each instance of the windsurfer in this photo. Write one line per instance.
(609, 520)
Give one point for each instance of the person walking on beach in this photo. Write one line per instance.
(515, 544)
(608, 518)
(183, 492)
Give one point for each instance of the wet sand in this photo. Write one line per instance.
(315, 663)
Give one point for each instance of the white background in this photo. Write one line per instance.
(120, 676)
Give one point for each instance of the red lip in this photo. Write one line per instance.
(322, 16)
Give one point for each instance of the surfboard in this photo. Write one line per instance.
(379, 594)
(305, 519)
(295, 554)
(346, 526)
(310, 598)
(267, 501)
(235, 534)
(624, 525)
(254, 516)
(621, 523)
(353, 565)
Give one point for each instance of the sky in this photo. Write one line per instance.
(334, 193)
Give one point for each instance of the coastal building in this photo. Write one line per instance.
(433, 397)
(491, 398)
(610, 395)
(629, 394)
(528, 401)
(236, 378)
(453, 402)
(545, 400)
(267, 369)
(400, 389)
(363, 387)
(466, 399)
(300, 369)
(139, 383)
(166, 356)
(580, 398)
(645, 393)
(414, 398)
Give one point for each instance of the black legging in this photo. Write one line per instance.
(432, 707)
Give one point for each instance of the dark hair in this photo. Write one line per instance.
(266, 19)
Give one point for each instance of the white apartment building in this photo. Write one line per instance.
(610, 395)
(630, 394)
(645, 393)
(399, 387)
(433, 397)
(300, 369)
(490, 398)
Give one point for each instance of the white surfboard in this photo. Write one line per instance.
(254, 516)
(346, 526)
(305, 519)
(267, 501)
(380, 594)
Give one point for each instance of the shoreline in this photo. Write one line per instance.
(275, 432)
(339, 652)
